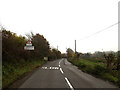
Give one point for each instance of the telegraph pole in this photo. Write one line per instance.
(57, 47)
(75, 46)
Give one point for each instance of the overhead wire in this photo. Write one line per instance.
(99, 31)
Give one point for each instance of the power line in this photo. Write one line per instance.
(99, 31)
(96, 32)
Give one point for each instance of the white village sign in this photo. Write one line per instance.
(29, 46)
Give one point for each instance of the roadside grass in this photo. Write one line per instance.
(12, 71)
(95, 68)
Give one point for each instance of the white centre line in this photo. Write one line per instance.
(69, 84)
(61, 70)
(60, 62)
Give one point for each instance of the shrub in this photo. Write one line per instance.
(82, 65)
(98, 69)
(110, 77)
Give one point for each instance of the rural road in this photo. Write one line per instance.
(62, 74)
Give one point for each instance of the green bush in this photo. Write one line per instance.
(94, 68)
(82, 65)
(98, 69)
(110, 77)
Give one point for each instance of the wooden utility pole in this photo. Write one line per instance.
(75, 46)
(57, 47)
(119, 42)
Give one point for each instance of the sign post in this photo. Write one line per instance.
(29, 46)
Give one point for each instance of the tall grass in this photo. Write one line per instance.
(12, 71)
(95, 68)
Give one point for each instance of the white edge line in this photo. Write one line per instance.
(69, 84)
(61, 70)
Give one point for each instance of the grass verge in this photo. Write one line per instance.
(97, 69)
(12, 71)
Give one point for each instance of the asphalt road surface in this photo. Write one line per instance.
(62, 74)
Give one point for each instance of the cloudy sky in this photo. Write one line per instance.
(64, 21)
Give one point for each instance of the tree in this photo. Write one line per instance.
(70, 52)
(11, 43)
(41, 45)
(98, 54)
(54, 54)
(110, 58)
(118, 65)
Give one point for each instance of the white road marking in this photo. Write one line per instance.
(50, 68)
(60, 61)
(61, 70)
(69, 84)
(44, 67)
(56, 67)
(59, 65)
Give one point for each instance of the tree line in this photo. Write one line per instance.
(13, 47)
(16, 61)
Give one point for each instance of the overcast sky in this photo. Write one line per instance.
(63, 21)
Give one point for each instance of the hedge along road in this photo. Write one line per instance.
(62, 74)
